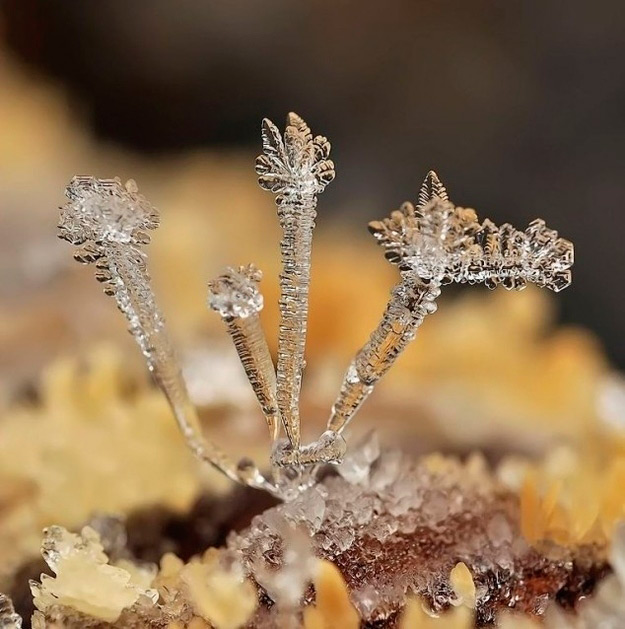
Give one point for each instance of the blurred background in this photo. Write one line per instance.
(520, 107)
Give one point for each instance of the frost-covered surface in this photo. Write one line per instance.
(396, 527)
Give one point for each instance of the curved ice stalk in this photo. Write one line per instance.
(237, 299)
(296, 168)
(108, 221)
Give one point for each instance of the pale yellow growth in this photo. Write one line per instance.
(222, 597)
(462, 583)
(333, 608)
(414, 616)
(102, 439)
(571, 497)
(86, 582)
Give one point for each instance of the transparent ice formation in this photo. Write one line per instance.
(433, 243)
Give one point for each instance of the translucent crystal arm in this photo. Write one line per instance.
(295, 167)
(251, 345)
(411, 301)
(236, 297)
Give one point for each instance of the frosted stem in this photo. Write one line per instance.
(235, 296)
(411, 301)
(296, 247)
(108, 220)
(296, 168)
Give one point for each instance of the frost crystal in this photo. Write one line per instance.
(432, 243)
(235, 296)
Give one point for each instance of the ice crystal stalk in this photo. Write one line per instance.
(411, 301)
(295, 167)
(108, 221)
(235, 296)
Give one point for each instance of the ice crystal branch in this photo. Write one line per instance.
(296, 168)
(108, 222)
(433, 244)
(236, 297)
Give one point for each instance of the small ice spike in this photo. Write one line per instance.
(296, 168)
(433, 243)
(436, 243)
(236, 297)
(107, 220)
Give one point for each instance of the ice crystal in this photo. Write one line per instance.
(297, 168)
(433, 243)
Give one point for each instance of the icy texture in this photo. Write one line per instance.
(85, 581)
(108, 220)
(403, 529)
(433, 244)
(236, 297)
(296, 168)
(8, 618)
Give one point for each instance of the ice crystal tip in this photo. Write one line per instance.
(295, 163)
(441, 242)
(431, 187)
(235, 294)
(105, 211)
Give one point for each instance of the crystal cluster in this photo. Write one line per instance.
(432, 243)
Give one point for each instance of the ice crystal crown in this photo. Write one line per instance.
(432, 243)
(440, 241)
(104, 210)
(235, 293)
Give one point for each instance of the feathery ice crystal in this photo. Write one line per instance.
(433, 243)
